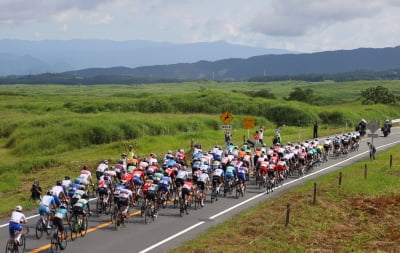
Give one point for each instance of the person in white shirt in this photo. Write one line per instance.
(17, 217)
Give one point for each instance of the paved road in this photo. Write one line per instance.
(170, 230)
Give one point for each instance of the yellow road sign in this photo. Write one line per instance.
(248, 123)
(226, 117)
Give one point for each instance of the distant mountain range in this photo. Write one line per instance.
(21, 57)
(329, 62)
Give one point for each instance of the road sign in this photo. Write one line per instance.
(248, 123)
(373, 135)
(226, 117)
(226, 127)
(372, 126)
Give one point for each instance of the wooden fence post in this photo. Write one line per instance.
(287, 214)
(340, 178)
(391, 161)
(365, 171)
(315, 194)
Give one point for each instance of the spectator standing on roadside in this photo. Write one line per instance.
(256, 138)
(315, 132)
(228, 137)
(130, 152)
(372, 150)
(261, 135)
(36, 190)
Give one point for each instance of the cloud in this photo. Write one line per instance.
(296, 18)
(21, 11)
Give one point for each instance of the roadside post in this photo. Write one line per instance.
(372, 126)
(248, 123)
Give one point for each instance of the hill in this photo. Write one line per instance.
(21, 57)
(329, 62)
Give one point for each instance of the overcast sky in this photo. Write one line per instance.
(299, 25)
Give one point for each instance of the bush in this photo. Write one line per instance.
(290, 115)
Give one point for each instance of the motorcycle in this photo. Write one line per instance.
(386, 129)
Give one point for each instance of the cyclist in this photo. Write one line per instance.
(202, 181)
(81, 206)
(58, 190)
(242, 171)
(17, 217)
(66, 183)
(47, 203)
(61, 213)
(151, 194)
(104, 187)
(85, 176)
(125, 197)
(181, 176)
(164, 186)
(103, 166)
(217, 176)
(187, 189)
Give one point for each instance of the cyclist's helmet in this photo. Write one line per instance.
(50, 192)
(77, 180)
(63, 206)
(106, 178)
(67, 178)
(105, 161)
(59, 182)
(18, 208)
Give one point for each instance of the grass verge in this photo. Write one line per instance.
(361, 215)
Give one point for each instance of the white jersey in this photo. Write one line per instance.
(125, 193)
(57, 189)
(218, 172)
(85, 175)
(66, 183)
(203, 177)
(102, 167)
(17, 217)
(182, 174)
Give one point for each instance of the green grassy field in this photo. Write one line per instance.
(361, 215)
(49, 131)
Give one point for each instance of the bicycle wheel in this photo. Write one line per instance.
(116, 219)
(11, 247)
(84, 226)
(55, 243)
(107, 207)
(181, 207)
(63, 243)
(99, 206)
(147, 214)
(21, 245)
(125, 220)
(39, 229)
(74, 227)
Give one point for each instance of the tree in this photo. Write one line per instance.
(301, 95)
(378, 95)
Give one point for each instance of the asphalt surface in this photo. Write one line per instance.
(170, 230)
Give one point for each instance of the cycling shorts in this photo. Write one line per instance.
(179, 182)
(151, 195)
(201, 185)
(216, 180)
(185, 192)
(229, 175)
(271, 173)
(44, 210)
(242, 176)
(103, 191)
(163, 187)
(14, 226)
(263, 169)
(137, 181)
(58, 223)
(122, 202)
(78, 210)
